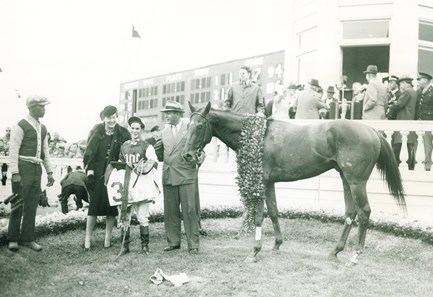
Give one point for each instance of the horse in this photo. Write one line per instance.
(298, 151)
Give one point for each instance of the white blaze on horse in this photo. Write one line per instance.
(294, 152)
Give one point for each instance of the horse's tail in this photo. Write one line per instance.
(388, 167)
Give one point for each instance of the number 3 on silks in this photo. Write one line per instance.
(117, 196)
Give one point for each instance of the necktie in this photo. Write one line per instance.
(174, 130)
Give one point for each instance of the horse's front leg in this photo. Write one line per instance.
(271, 204)
(258, 234)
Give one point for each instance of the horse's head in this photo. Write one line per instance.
(199, 132)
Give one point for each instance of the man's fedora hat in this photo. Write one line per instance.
(292, 86)
(314, 82)
(371, 69)
(173, 106)
(330, 90)
(405, 77)
(424, 75)
(390, 78)
(135, 119)
(34, 100)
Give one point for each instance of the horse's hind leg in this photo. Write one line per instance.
(271, 204)
(258, 236)
(350, 215)
(363, 210)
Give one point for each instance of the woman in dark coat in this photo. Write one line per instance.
(103, 146)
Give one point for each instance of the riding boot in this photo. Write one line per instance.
(144, 236)
(125, 248)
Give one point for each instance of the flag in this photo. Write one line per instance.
(18, 94)
(135, 33)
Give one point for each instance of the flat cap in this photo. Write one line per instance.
(424, 75)
(34, 100)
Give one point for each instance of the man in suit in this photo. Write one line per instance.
(404, 109)
(424, 112)
(375, 97)
(309, 102)
(155, 135)
(393, 94)
(179, 180)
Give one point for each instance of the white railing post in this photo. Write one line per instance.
(420, 152)
(404, 154)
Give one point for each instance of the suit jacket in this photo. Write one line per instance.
(308, 104)
(375, 101)
(425, 104)
(404, 107)
(175, 169)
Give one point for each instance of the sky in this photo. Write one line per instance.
(76, 53)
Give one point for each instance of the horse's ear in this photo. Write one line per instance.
(191, 107)
(207, 109)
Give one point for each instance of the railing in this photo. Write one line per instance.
(324, 192)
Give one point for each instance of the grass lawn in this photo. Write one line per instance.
(390, 266)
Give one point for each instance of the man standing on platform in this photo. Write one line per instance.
(245, 96)
(376, 96)
(404, 109)
(28, 149)
(424, 112)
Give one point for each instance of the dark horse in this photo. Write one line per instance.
(299, 151)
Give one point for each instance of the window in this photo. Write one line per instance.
(425, 60)
(426, 31)
(164, 89)
(366, 29)
(307, 40)
(192, 84)
(208, 81)
(197, 83)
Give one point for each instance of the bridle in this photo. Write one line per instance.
(207, 133)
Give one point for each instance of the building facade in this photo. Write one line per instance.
(332, 38)
(146, 97)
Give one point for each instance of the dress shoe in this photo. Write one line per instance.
(32, 245)
(193, 251)
(13, 246)
(171, 248)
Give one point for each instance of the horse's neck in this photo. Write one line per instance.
(227, 127)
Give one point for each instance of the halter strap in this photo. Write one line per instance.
(208, 130)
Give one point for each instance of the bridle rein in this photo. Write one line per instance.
(207, 133)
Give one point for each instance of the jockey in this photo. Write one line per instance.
(134, 152)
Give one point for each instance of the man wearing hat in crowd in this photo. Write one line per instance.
(155, 135)
(375, 97)
(332, 102)
(404, 109)
(179, 180)
(279, 106)
(424, 112)
(245, 96)
(28, 150)
(140, 156)
(393, 94)
(309, 102)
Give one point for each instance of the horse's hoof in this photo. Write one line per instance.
(276, 251)
(250, 259)
(332, 257)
